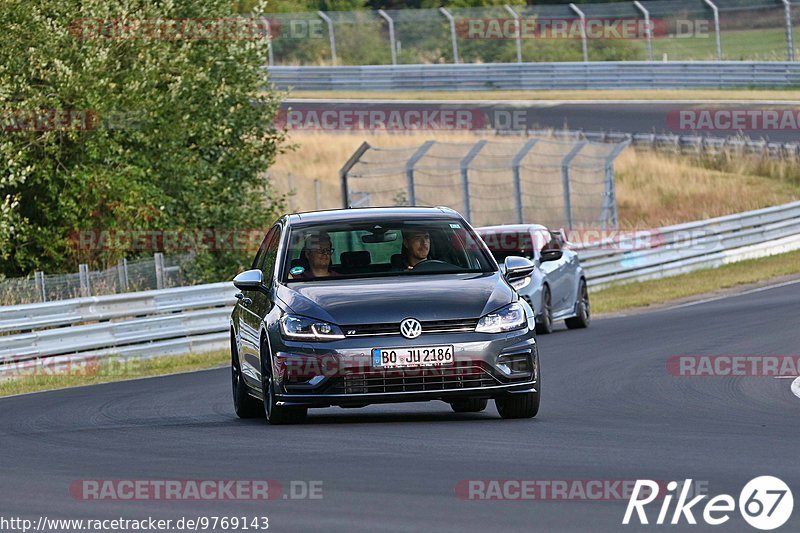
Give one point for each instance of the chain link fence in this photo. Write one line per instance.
(559, 183)
(157, 272)
(655, 30)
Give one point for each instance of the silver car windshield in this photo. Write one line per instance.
(383, 248)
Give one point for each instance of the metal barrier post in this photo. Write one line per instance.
(565, 180)
(609, 215)
(473, 153)
(158, 261)
(648, 29)
(583, 32)
(518, 30)
(83, 275)
(714, 9)
(269, 42)
(389, 21)
(122, 272)
(39, 279)
(346, 168)
(421, 151)
(331, 38)
(517, 182)
(787, 11)
(452, 21)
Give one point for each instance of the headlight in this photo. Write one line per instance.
(509, 318)
(520, 284)
(302, 327)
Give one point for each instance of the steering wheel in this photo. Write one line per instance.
(432, 265)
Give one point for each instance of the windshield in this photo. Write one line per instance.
(383, 248)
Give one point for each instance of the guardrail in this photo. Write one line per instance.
(195, 319)
(540, 76)
(672, 250)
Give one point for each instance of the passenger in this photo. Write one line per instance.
(317, 252)
(416, 247)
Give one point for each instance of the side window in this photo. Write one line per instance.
(262, 249)
(267, 262)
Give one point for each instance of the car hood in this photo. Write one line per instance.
(382, 300)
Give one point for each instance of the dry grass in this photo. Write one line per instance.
(619, 94)
(653, 189)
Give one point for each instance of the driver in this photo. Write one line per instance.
(416, 247)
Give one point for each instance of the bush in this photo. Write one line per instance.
(177, 134)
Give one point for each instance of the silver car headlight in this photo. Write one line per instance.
(508, 318)
(305, 328)
(520, 284)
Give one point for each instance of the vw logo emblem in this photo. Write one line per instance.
(410, 328)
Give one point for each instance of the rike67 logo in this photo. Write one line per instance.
(765, 503)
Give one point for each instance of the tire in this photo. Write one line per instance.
(584, 317)
(244, 405)
(469, 405)
(519, 406)
(544, 322)
(274, 413)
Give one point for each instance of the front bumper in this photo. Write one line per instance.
(341, 372)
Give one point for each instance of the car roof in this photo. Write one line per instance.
(512, 227)
(364, 214)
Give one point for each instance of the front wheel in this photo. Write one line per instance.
(583, 318)
(525, 405)
(245, 405)
(469, 405)
(274, 413)
(544, 322)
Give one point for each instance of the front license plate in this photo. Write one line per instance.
(412, 357)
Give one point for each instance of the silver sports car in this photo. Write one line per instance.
(556, 289)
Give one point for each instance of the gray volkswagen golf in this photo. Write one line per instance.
(363, 306)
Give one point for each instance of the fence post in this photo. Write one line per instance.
(609, 195)
(158, 261)
(346, 168)
(787, 11)
(421, 151)
(122, 271)
(583, 32)
(83, 275)
(473, 152)
(269, 42)
(515, 163)
(565, 181)
(518, 30)
(317, 199)
(390, 22)
(38, 276)
(714, 9)
(331, 38)
(648, 29)
(452, 21)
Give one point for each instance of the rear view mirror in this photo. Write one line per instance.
(550, 255)
(249, 280)
(517, 267)
(374, 238)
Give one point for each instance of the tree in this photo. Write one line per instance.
(115, 121)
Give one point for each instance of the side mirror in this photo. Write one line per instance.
(517, 267)
(550, 255)
(249, 280)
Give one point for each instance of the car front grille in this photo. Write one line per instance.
(413, 380)
(393, 328)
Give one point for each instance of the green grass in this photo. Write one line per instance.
(737, 45)
(106, 371)
(646, 293)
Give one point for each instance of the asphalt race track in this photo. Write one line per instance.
(610, 411)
